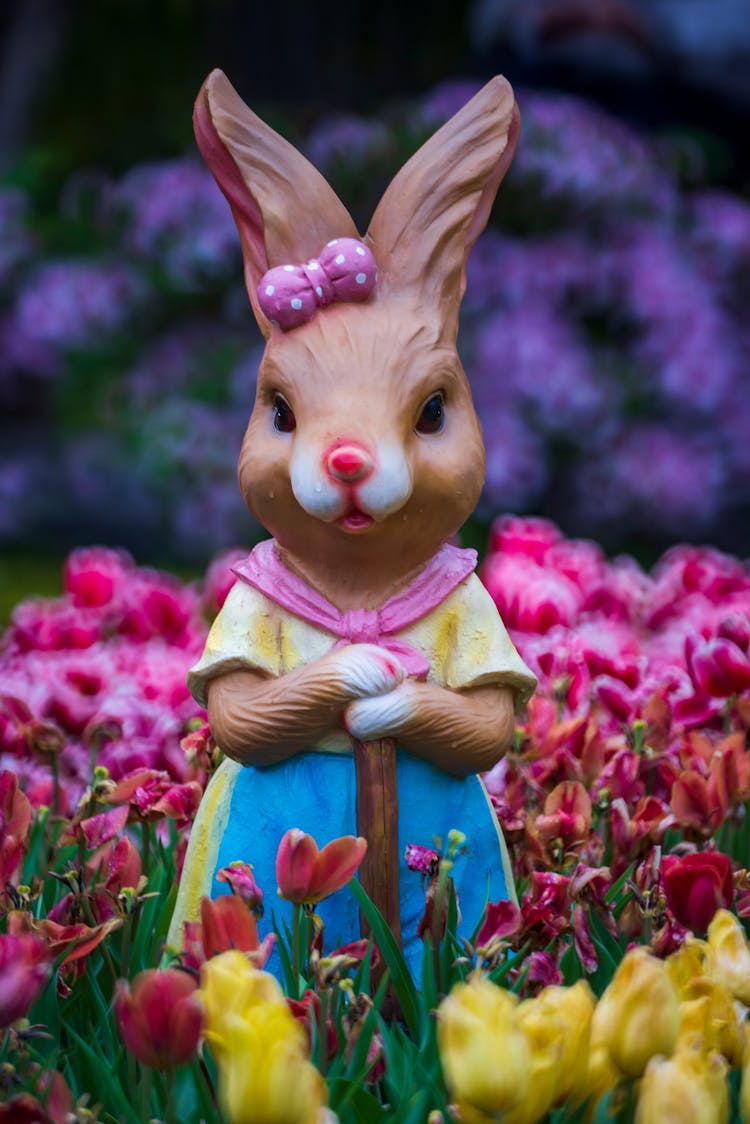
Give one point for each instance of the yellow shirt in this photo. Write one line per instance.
(464, 641)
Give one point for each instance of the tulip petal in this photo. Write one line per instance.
(295, 863)
(336, 865)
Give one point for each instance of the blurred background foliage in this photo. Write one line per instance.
(604, 330)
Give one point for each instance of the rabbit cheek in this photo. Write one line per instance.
(388, 488)
(314, 491)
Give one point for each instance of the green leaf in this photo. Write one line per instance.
(102, 1080)
(354, 1105)
(403, 984)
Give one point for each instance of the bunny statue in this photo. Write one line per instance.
(358, 677)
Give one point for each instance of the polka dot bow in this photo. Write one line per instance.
(290, 295)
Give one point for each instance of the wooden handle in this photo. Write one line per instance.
(377, 820)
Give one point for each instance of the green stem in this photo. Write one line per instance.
(146, 1093)
(296, 952)
(145, 863)
(171, 1106)
(125, 947)
(207, 1081)
(90, 920)
(323, 1033)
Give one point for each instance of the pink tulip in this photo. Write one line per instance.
(306, 875)
(24, 970)
(160, 1018)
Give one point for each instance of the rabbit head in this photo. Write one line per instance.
(363, 442)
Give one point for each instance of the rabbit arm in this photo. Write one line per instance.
(260, 720)
(460, 732)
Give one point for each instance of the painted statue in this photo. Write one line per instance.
(358, 677)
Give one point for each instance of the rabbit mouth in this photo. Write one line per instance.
(355, 520)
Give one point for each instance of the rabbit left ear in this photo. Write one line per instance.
(285, 210)
(438, 204)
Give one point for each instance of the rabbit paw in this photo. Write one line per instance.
(366, 670)
(381, 716)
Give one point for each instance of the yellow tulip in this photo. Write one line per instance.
(231, 985)
(484, 1055)
(708, 1019)
(638, 1015)
(745, 1086)
(557, 1026)
(688, 1088)
(688, 963)
(265, 1076)
(729, 956)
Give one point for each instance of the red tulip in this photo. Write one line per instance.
(228, 923)
(160, 1019)
(696, 886)
(24, 970)
(306, 875)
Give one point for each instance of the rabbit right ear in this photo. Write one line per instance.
(439, 203)
(284, 209)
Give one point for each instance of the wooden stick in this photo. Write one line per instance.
(377, 821)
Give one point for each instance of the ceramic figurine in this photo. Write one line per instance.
(358, 677)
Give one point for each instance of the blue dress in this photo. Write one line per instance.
(246, 810)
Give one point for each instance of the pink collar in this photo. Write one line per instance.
(264, 570)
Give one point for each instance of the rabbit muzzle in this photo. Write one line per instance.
(349, 484)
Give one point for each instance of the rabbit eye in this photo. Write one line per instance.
(432, 417)
(283, 418)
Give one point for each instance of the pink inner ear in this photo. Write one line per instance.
(226, 173)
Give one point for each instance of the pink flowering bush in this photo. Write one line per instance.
(623, 801)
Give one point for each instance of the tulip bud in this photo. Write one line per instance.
(160, 1018)
(638, 1015)
(729, 956)
(689, 1088)
(484, 1054)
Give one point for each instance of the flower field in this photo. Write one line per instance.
(616, 989)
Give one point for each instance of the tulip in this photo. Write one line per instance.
(24, 970)
(485, 1056)
(729, 956)
(557, 1028)
(687, 965)
(228, 923)
(709, 1022)
(265, 1076)
(240, 877)
(696, 886)
(160, 1018)
(745, 1088)
(638, 1015)
(306, 875)
(689, 1088)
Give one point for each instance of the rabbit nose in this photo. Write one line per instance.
(349, 463)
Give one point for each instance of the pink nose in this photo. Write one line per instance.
(349, 463)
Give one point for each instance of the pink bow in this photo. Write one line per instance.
(290, 295)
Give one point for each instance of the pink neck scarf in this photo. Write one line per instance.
(264, 570)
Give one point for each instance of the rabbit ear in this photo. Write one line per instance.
(284, 209)
(439, 203)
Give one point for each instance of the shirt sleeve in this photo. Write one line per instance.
(245, 634)
(480, 651)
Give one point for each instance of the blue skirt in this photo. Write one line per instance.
(251, 809)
